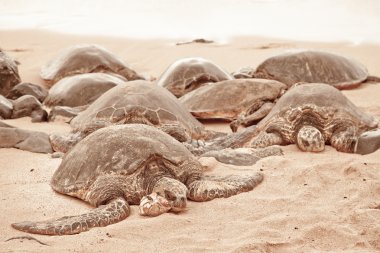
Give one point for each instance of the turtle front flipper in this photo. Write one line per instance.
(253, 116)
(344, 140)
(63, 143)
(211, 187)
(113, 212)
(264, 139)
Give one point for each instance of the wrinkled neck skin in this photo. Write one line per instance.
(158, 167)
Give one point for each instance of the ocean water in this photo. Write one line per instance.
(316, 20)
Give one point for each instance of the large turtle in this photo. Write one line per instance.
(134, 102)
(314, 67)
(310, 115)
(9, 76)
(85, 58)
(242, 101)
(81, 89)
(188, 74)
(130, 164)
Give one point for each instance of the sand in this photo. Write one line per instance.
(325, 202)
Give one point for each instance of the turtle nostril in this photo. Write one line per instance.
(170, 196)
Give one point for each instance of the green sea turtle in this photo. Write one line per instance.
(310, 115)
(132, 164)
(314, 67)
(81, 89)
(242, 101)
(188, 74)
(9, 76)
(134, 102)
(85, 58)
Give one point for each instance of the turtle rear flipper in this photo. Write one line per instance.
(211, 187)
(113, 212)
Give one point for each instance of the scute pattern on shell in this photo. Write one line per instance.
(313, 67)
(231, 98)
(81, 89)
(85, 58)
(188, 74)
(137, 102)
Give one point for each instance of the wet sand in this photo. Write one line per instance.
(326, 202)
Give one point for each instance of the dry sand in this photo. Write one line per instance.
(326, 202)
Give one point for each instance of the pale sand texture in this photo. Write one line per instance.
(326, 202)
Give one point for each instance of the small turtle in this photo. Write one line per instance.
(314, 67)
(134, 102)
(85, 58)
(132, 164)
(9, 76)
(81, 89)
(309, 115)
(242, 101)
(188, 74)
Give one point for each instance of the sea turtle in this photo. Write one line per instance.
(9, 76)
(134, 102)
(85, 58)
(188, 74)
(81, 89)
(314, 67)
(309, 115)
(132, 164)
(242, 101)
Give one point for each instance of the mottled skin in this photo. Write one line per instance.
(242, 101)
(134, 163)
(9, 76)
(134, 102)
(188, 74)
(85, 58)
(81, 89)
(309, 115)
(313, 67)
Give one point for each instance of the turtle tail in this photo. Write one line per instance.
(115, 211)
(211, 187)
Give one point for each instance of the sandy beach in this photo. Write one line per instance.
(325, 202)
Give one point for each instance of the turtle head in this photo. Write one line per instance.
(310, 139)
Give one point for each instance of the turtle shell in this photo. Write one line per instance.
(188, 74)
(313, 67)
(81, 89)
(112, 108)
(228, 99)
(85, 58)
(121, 150)
(321, 95)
